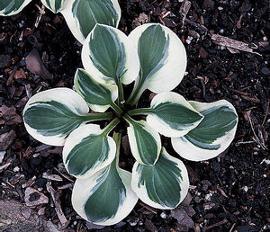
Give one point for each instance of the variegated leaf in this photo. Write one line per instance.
(98, 96)
(51, 115)
(12, 7)
(145, 143)
(105, 55)
(105, 198)
(88, 149)
(162, 59)
(171, 115)
(212, 136)
(163, 185)
(82, 15)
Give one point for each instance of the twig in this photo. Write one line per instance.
(244, 142)
(63, 175)
(232, 44)
(232, 227)
(254, 133)
(3, 167)
(266, 113)
(184, 9)
(61, 216)
(148, 208)
(224, 221)
(41, 13)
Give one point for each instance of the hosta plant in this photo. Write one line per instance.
(154, 58)
(80, 15)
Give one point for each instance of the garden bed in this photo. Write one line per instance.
(227, 193)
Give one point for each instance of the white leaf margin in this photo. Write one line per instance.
(142, 191)
(81, 193)
(25, 3)
(133, 144)
(77, 136)
(172, 73)
(132, 65)
(73, 23)
(193, 153)
(64, 96)
(160, 125)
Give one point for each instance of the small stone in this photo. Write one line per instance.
(208, 196)
(163, 215)
(133, 221)
(16, 169)
(221, 31)
(220, 8)
(189, 39)
(245, 188)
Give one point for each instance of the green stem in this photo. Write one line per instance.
(128, 119)
(121, 98)
(136, 94)
(95, 117)
(116, 108)
(111, 126)
(140, 111)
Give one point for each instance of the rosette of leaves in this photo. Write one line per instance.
(80, 15)
(154, 58)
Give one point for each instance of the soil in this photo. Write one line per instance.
(228, 193)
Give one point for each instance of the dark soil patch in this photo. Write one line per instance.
(228, 193)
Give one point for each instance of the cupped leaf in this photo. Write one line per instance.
(171, 115)
(163, 185)
(51, 115)
(12, 7)
(88, 150)
(82, 15)
(213, 135)
(145, 143)
(105, 198)
(105, 55)
(54, 5)
(162, 59)
(98, 96)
